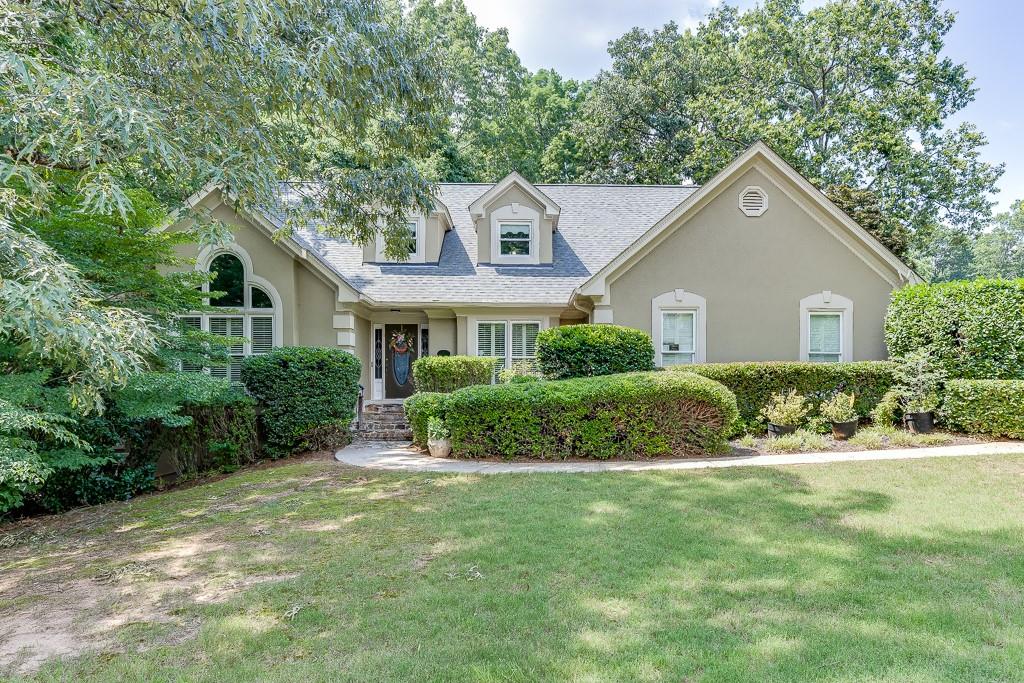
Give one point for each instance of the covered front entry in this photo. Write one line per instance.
(401, 342)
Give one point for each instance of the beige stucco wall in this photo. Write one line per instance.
(753, 272)
(443, 335)
(513, 195)
(308, 302)
(432, 240)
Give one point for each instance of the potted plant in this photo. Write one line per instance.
(784, 413)
(839, 411)
(919, 380)
(438, 442)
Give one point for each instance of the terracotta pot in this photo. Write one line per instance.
(439, 448)
(919, 423)
(775, 431)
(841, 431)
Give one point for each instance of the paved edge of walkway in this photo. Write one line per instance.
(403, 457)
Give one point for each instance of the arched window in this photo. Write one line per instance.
(249, 314)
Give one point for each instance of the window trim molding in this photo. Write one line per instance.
(680, 300)
(421, 242)
(827, 301)
(203, 261)
(515, 212)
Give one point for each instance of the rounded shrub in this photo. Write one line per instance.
(419, 408)
(591, 350)
(448, 373)
(308, 396)
(973, 329)
(631, 415)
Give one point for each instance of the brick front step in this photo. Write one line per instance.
(384, 435)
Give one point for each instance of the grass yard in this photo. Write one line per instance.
(309, 571)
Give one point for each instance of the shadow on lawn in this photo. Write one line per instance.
(740, 574)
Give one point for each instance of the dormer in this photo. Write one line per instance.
(514, 223)
(426, 235)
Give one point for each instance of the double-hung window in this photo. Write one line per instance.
(678, 337)
(514, 238)
(825, 337)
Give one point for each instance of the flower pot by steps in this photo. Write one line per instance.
(439, 448)
(841, 431)
(775, 431)
(919, 423)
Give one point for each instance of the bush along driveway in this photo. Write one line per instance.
(900, 570)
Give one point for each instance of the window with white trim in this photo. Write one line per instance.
(414, 240)
(825, 337)
(514, 238)
(490, 342)
(249, 316)
(678, 337)
(826, 328)
(512, 342)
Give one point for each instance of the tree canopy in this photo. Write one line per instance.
(854, 93)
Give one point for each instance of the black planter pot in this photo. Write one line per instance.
(775, 431)
(841, 431)
(919, 423)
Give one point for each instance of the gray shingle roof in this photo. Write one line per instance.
(597, 222)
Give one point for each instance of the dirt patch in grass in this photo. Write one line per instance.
(69, 583)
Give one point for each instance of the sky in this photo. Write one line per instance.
(571, 36)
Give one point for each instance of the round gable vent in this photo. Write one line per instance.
(753, 201)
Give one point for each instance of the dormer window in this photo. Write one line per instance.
(514, 239)
(414, 243)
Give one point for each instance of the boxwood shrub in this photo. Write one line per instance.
(974, 329)
(419, 408)
(631, 415)
(591, 350)
(755, 383)
(448, 373)
(307, 395)
(994, 407)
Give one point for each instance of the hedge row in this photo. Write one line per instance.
(755, 383)
(590, 350)
(631, 415)
(994, 407)
(308, 395)
(974, 329)
(448, 373)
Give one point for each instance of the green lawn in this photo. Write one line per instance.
(879, 571)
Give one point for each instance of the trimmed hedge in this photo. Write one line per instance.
(448, 373)
(631, 415)
(308, 395)
(974, 329)
(591, 350)
(755, 383)
(419, 408)
(994, 407)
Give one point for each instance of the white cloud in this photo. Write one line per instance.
(572, 35)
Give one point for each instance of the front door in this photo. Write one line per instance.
(400, 344)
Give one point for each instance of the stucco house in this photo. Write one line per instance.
(755, 265)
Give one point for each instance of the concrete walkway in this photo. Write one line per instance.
(402, 457)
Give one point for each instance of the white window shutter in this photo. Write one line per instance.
(262, 333)
(524, 339)
(191, 323)
(490, 341)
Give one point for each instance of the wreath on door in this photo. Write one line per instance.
(401, 345)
